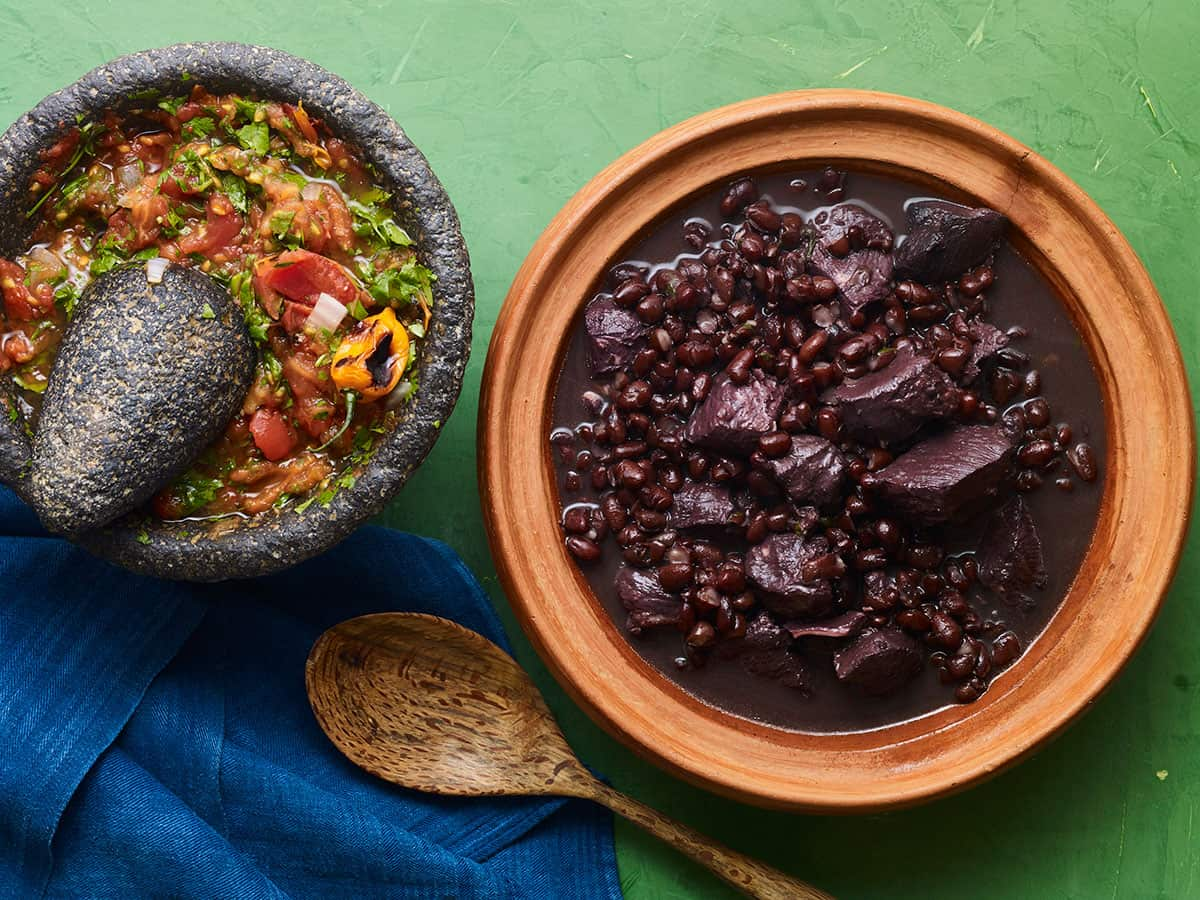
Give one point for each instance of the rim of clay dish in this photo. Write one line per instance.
(279, 539)
(1118, 590)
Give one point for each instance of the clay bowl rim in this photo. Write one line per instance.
(1143, 516)
(276, 541)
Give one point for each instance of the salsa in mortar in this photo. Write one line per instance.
(261, 196)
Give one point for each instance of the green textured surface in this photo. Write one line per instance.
(518, 104)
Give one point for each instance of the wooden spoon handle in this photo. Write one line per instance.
(748, 875)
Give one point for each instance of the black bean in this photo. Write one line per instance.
(577, 519)
(1083, 460)
(738, 195)
(1005, 648)
(1033, 383)
(629, 474)
(630, 291)
(913, 620)
(650, 309)
(829, 423)
(825, 288)
(701, 636)
(583, 549)
(944, 631)
(1036, 454)
(869, 560)
(674, 577)
(763, 217)
(739, 367)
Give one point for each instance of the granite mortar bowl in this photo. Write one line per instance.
(1144, 508)
(278, 539)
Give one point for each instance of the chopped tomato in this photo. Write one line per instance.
(329, 222)
(56, 158)
(343, 160)
(146, 211)
(303, 276)
(20, 303)
(221, 228)
(314, 407)
(15, 347)
(272, 434)
(294, 316)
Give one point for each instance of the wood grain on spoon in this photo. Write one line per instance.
(426, 704)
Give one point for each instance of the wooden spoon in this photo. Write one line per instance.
(426, 704)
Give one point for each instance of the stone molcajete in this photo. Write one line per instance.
(97, 481)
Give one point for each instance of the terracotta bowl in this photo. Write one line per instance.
(1144, 509)
(277, 539)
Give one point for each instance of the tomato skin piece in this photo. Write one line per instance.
(302, 275)
(221, 228)
(272, 434)
(20, 303)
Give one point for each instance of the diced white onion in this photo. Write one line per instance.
(155, 269)
(327, 315)
(311, 191)
(400, 394)
(129, 177)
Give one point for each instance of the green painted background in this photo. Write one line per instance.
(517, 104)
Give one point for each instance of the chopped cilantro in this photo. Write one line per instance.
(281, 223)
(248, 109)
(197, 170)
(66, 295)
(87, 147)
(235, 190)
(197, 129)
(404, 284)
(371, 218)
(351, 400)
(195, 490)
(172, 223)
(255, 137)
(306, 504)
(271, 366)
(72, 189)
(143, 537)
(257, 321)
(172, 104)
(107, 257)
(206, 312)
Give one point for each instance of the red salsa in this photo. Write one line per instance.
(261, 196)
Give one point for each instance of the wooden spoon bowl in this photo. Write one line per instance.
(1144, 510)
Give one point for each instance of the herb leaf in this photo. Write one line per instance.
(255, 137)
(235, 190)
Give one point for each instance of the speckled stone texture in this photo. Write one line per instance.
(14, 445)
(147, 376)
(274, 541)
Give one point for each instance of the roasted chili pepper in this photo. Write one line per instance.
(372, 357)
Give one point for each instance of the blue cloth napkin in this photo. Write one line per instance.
(157, 740)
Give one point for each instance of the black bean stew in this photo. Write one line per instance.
(806, 456)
